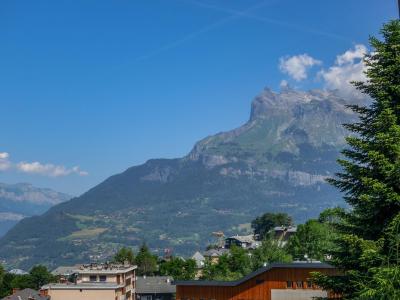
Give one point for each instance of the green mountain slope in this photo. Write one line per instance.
(277, 161)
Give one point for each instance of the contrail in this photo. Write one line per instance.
(190, 36)
(269, 20)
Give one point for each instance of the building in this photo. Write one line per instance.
(155, 288)
(18, 272)
(96, 281)
(213, 254)
(282, 234)
(276, 281)
(65, 271)
(25, 294)
(243, 241)
(199, 259)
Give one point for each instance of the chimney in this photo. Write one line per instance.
(14, 290)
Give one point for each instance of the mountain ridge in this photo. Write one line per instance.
(277, 161)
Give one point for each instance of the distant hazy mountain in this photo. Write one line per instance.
(21, 200)
(277, 161)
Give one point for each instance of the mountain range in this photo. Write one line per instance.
(21, 200)
(277, 161)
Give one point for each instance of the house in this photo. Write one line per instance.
(64, 271)
(18, 272)
(243, 241)
(96, 281)
(277, 281)
(199, 259)
(214, 254)
(25, 294)
(283, 233)
(155, 288)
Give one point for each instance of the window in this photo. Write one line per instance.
(103, 278)
(289, 284)
(299, 284)
(93, 278)
(145, 297)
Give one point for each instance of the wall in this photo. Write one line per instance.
(257, 288)
(84, 295)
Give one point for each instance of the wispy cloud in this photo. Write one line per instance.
(36, 167)
(233, 15)
(248, 14)
(297, 66)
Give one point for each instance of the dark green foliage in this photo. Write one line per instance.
(269, 252)
(368, 245)
(37, 277)
(40, 276)
(146, 261)
(123, 255)
(178, 268)
(313, 240)
(240, 262)
(230, 266)
(263, 224)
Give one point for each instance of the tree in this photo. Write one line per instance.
(269, 252)
(124, 254)
(2, 274)
(366, 250)
(263, 224)
(146, 262)
(39, 276)
(179, 268)
(6, 287)
(314, 239)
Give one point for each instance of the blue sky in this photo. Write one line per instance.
(105, 85)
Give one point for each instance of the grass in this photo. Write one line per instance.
(85, 234)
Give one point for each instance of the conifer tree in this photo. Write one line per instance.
(370, 180)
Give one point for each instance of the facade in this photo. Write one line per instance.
(243, 241)
(213, 255)
(155, 288)
(274, 282)
(96, 281)
(25, 294)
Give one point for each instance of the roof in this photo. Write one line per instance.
(104, 269)
(155, 285)
(287, 229)
(215, 252)
(25, 294)
(296, 265)
(243, 238)
(199, 258)
(64, 270)
(18, 272)
(84, 286)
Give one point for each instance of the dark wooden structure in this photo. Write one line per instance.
(273, 282)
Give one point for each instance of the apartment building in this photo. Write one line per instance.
(96, 281)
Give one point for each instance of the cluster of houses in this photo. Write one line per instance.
(111, 281)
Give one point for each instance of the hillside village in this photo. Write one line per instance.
(147, 277)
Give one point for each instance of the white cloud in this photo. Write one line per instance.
(48, 169)
(4, 155)
(348, 67)
(4, 162)
(297, 66)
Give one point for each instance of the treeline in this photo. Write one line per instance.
(312, 241)
(150, 264)
(35, 279)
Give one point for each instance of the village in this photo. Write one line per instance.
(121, 280)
